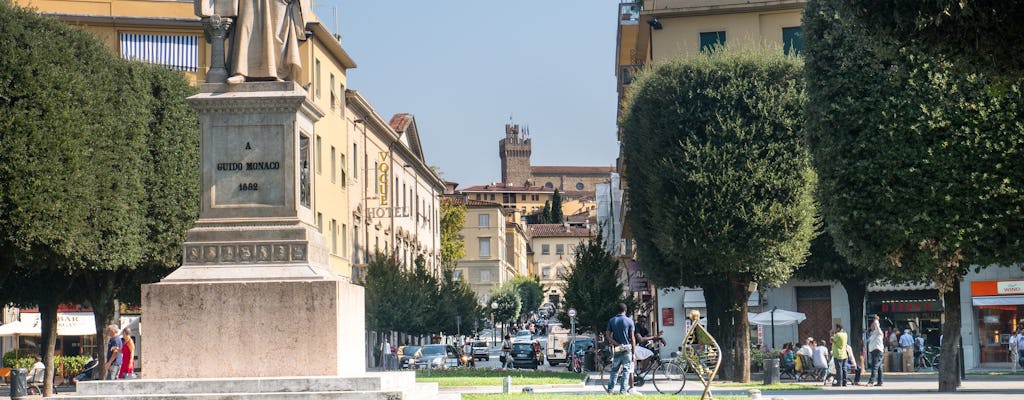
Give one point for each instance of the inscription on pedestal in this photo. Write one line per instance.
(245, 253)
(249, 166)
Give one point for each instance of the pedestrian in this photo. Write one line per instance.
(819, 358)
(918, 351)
(467, 349)
(876, 351)
(127, 352)
(851, 363)
(385, 354)
(38, 372)
(621, 335)
(839, 354)
(808, 348)
(113, 366)
(506, 352)
(1012, 349)
(894, 339)
(1020, 348)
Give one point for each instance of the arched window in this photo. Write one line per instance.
(549, 185)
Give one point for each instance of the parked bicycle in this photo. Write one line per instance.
(668, 375)
(929, 360)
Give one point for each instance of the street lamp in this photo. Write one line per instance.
(494, 327)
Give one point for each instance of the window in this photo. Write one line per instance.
(546, 273)
(177, 52)
(319, 155)
(344, 236)
(485, 247)
(456, 275)
(559, 249)
(579, 186)
(709, 40)
(334, 96)
(332, 165)
(355, 162)
(316, 78)
(344, 174)
(320, 222)
(561, 272)
(492, 196)
(535, 197)
(376, 178)
(792, 40)
(485, 276)
(549, 185)
(545, 249)
(334, 236)
(478, 196)
(341, 100)
(355, 242)
(524, 197)
(484, 220)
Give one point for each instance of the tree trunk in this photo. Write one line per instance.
(949, 365)
(100, 293)
(855, 292)
(727, 323)
(48, 322)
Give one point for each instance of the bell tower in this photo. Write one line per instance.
(514, 150)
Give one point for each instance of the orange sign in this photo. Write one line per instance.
(997, 288)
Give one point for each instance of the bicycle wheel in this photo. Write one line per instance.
(669, 378)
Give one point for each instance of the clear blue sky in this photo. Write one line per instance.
(462, 67)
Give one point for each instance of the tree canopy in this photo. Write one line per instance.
(557, 216)
(975, 35)
(721, 187)
(592, 286)
(918, 162)
(453, 218)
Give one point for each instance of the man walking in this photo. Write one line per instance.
(620, 334)
(113, 365)
(839, 354)
(876, 350)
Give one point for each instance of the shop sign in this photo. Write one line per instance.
(668, 316)
(1010, 287)
(907, 307)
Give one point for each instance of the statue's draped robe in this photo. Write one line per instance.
(265, 35)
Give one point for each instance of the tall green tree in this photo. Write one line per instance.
(459, 300)
(918, 162)
(453, 218)
(721, 187)
(509, 304)
(593, 287)
(557, 216)
(974, 36)
(545, 215)
(386, 308)
(531, 293)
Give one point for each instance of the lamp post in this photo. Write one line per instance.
(494, 326)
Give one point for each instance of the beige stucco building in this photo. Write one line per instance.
(496, 247)
(554, 249)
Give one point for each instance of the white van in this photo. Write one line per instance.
(558, 339)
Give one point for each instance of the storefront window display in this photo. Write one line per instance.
(917, 310)
(999, 308)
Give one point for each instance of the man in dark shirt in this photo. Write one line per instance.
(621, 336)
(113, 365)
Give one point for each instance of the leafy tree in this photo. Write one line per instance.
(530, 292)
(556, 209)
(918, 162)
(423, 295)
(509, 304)
(453, 218)
(458, 299)
(976, 36)
(545, 215)
(721, 187)
(592, 286)
(386, 310)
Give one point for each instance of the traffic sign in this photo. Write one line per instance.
(572, 313)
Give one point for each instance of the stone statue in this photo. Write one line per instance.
(265, 39)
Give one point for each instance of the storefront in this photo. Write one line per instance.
(913, 306)
(999, 309)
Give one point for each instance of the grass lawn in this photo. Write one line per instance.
(545, 396)
(761, 386)
(494, 377)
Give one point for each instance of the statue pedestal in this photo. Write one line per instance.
(255, 296)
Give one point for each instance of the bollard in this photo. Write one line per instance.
(506, 384)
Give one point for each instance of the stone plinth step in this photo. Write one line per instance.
(368, 395)
(370, 382)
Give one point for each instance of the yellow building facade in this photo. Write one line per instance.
(486, 263)
(357, 211)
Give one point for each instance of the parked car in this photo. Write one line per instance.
(527, 355)
(481, 351)
(437, 356)
(405, 354)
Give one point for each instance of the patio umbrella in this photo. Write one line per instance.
(777, 317)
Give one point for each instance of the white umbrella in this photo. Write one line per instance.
(777, 317)
(780, 317)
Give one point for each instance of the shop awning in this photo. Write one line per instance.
(68, 324)
(694, 298)
(997, 300)
(901, 287)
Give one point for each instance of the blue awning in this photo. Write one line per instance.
(178, 52)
